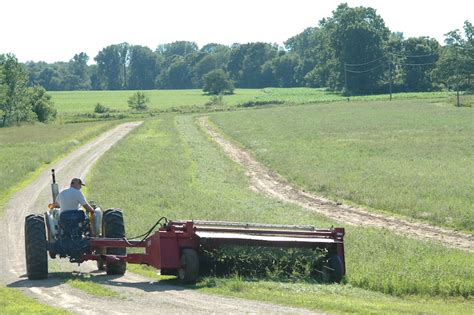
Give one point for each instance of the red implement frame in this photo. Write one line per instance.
(163, 248)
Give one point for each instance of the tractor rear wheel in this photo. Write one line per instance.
(36, 248)
(113, 227)
(189, 271)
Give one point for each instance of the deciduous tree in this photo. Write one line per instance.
(14, 106)
(218, 82)
(41, 104)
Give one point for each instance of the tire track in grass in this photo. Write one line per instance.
(270, 183)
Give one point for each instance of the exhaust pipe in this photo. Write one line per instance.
(54, 187)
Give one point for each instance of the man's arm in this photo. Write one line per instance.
(88, 208)
(84, 203)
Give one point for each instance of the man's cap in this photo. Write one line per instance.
(77, 181)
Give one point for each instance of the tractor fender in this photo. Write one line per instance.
(51, 220)
(96, 226)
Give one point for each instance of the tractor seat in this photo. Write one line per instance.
(71, 218)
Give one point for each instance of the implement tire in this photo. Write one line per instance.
(113, 227)
(36, 248)
(189, 271)
(335, 266)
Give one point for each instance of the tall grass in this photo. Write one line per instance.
(169, 167)
(412, 158)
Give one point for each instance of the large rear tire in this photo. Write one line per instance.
(36, 248)
(113, 227)
(189, 271)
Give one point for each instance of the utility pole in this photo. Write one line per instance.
(391, 78)
(345, 80)
(457, 76)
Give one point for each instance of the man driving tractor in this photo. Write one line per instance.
(72, 198)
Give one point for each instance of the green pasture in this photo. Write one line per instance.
(178, 172)
(79, 102)
(311, 95)
(26, 150)
(183, 175)
(410, 157)
(74, 102)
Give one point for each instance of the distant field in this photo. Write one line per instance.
(309, 95)
(85, 101)
(183, 175)
(407, 157)
(25, 149)
(74, 102)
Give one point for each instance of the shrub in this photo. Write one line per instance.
(216, 100)
(100, 109)
(138, 101)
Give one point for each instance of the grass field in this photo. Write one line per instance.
(77, 102)
(412, 158)
(184, 175)
(85, 101)
(181, 174)
(25, 150)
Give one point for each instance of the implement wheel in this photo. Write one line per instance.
(189, 271)
(36, 248)
(113, 227)
(333, 269)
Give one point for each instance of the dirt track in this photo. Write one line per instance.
(138, 294)
(268, 182)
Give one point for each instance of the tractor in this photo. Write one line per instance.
(173, 249)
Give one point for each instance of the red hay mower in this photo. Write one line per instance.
(173, 249)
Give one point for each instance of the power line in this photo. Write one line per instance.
(364, 71)
(383, 57)
(455, 46)
(402, 55)
(363, 64)
(414, 56)
(416, 64)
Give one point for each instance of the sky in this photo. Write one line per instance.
(55, 30)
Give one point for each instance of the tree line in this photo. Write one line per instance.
(351, 51)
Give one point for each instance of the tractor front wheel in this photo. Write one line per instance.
(113, 227)
(189, 271)
(36, 248)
